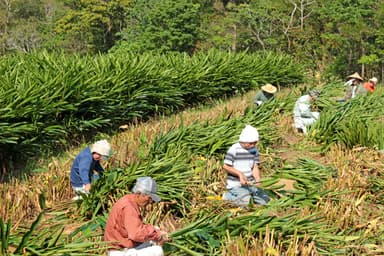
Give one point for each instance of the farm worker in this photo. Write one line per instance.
(125, 228)
(370, 85)
(266, 93)
(303, 117)
(354, 87)
(84, 165)
(243, 174)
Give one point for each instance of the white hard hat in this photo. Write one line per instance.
(249, 134)
(373, 80)
(101, 147)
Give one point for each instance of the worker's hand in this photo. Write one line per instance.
(164, 238)
(87, 187)
(243, 179)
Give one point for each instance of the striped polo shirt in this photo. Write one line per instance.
(241, 159)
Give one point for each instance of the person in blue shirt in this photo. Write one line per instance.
(84, 165)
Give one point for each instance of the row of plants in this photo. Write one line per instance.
(356, 122)
(48, 99)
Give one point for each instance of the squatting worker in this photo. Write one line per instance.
(125, 228)
(243, 175)
(303, 117)
(86, 163)
(370, 85)
(354, 86)
(266, 93)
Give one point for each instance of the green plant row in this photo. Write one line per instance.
(49, 99)
(357, 122)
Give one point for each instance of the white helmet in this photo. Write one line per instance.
(373, 80)
(101, 147)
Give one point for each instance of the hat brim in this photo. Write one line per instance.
(269, 89)
(356, 76)
(155, 197)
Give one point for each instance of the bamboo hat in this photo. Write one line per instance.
(269, 88)
(355, 76)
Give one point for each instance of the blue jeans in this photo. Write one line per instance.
(242, 195)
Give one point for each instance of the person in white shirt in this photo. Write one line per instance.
(303, 117)
(241, 163)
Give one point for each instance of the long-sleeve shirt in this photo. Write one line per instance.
(125, 227)
(355, 90)
(369, 86)
(262, 97)
(82, 168)
(302, 107)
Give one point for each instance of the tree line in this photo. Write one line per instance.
(337, 37)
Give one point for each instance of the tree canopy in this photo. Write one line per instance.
(336, 36)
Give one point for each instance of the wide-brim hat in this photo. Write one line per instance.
(355, 76)
(269, 88)
(373, 80)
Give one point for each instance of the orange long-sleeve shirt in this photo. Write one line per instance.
(125, 227)
(369, 86)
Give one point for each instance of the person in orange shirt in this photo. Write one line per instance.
(370, 85)
(125, 229)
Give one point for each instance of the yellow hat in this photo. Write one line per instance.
(269, 88)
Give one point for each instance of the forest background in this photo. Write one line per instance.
(332, 37)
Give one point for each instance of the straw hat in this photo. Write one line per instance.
(373, 80)
(269, 88)
(356, 76)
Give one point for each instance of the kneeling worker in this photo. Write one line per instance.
(125, 229)
(266, 93)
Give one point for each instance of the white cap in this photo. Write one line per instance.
(147, 186)
(249, 134)
(373, 80)
(102, 147)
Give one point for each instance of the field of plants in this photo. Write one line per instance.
(326, 188)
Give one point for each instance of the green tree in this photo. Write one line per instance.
(347, 31)
(92, 25)
(20, 22)
(26, 25)
(162, 25)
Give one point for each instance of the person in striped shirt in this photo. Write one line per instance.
(241, 163)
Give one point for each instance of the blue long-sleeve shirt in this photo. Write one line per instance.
(82, 168)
